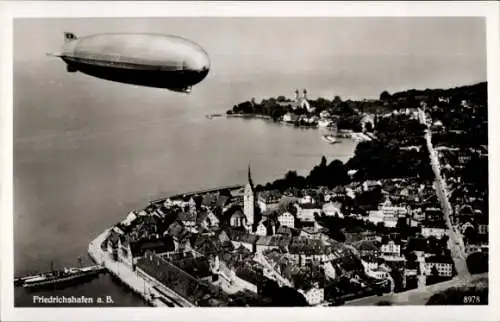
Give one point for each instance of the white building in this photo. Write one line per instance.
(377, 216)
(314, 296)
(261, 229)
(410, 272)
(391, 249)
(324, 114)
(306, 213)
(381, 272)
(329, 270)
(329, 209)
(287, 219)
(444, 269)
(307, 200)
(371, 184)
(130, 218)
(369, 265)
(269, 200)
(287, 117)
(393, 210)
(433, 231)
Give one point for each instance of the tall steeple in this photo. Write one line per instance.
(250, 181)
(249, 201)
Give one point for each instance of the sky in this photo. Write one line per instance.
(353, 57)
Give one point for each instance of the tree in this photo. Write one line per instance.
(477, 263)
(385, 96)
(470, 234)
(287, 296)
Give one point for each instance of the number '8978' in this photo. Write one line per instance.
(472, 300)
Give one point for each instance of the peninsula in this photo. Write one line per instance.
(405, 217)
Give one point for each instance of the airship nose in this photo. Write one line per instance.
(198, 61)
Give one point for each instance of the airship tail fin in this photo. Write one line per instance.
(69, 36)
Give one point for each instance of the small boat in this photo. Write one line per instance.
(330, 139)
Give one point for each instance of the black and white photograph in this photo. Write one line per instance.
(250, 160)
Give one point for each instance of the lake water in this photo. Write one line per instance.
(87, 151)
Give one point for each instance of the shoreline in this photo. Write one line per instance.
(343, 134)
(247, 116)
(119, 270)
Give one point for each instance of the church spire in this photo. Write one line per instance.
(250, 181)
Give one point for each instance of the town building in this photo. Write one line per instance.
(381, 272)
(436, 229)
(378, 216)
(238, 219)
(367, 248)
(444, 266)
(290, 118)
(314, 296)
(286, 219)
(244, 239)
(306, 212)
(371, 185)
(390, 210)
(261, 229)
(188, 219)
(269, 200)
(483, 229)
(390, 249)
(264, 243)
(304, 251)
(331, 209)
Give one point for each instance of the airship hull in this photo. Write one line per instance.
(152, 60)
(177, 80)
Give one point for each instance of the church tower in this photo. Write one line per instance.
(249, 200)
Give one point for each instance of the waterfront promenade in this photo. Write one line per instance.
(124, 273)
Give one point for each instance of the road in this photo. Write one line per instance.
(455, 242)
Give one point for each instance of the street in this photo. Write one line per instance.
(455, 242)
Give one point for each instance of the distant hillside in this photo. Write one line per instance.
(475, 94)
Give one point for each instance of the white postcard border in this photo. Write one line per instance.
(9, 10)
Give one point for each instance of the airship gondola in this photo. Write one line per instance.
(153, 60)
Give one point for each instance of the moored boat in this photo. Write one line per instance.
(58, 276)
(330, 139)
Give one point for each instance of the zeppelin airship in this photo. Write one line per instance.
(153, 60)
